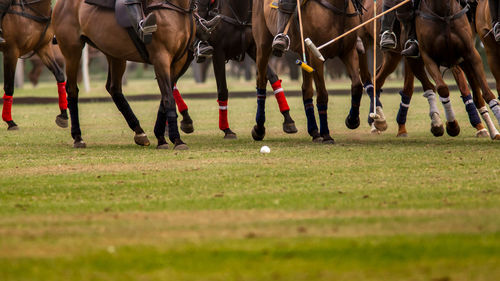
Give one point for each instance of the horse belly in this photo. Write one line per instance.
(101, 28)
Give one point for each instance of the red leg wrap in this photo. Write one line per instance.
(223, 123)
(7, 108)
(280, 96)
(63, 98)
(181, 105)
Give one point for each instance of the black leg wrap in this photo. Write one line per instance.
(75, 121)
(124, 107)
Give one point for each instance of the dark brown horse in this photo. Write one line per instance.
(415, 67)
(236, 20)
(27, 30)
(323, 20)
(446, 39)
(77, 22)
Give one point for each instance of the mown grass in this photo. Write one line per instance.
(367, 208)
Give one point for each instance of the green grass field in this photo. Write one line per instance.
(367, 208)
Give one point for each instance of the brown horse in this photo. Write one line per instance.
(35, 36)
(483, 28)
(322, 22)
(446, 39)
(77, 22)
(415, 67)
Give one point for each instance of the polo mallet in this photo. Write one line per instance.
(303, 64)
(316, 50)
(374, 114)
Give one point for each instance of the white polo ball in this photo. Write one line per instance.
(265, 149)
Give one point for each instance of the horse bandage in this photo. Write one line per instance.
(7, 108)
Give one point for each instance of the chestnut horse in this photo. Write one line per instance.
(76, 22)
(446, 39)
(415, 67)
(35, 37)
(323, 20)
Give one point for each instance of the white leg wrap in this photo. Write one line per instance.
(489, 123)
(495, 107)
(431, 98)
(448, 110)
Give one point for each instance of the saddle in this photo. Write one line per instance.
(123, 20)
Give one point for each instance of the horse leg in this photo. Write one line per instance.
(288, 123)
(351, 62)
(114, 87)
(307, 98)
(186, 122)
(222, 93)
(417, 67)
(263, 53)
(46, 54)
(474, 118)
(452, 127)
(406, 95)
(480, 103)
(9, 68)
(322, 100)
(473, 62)
(167, 111)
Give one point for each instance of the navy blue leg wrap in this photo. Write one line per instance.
(311, 120)
(403, 108)
(75, 120)
(471, 111)
(323, 119)
(260, 118)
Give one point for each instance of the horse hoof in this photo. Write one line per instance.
(327, 139)
(62, 121)
(79, 144)
(483, 133)
(352, 123)
(141, 139)
(13, 128)
(187, 126)
(162, 146)
(437, 131)
(381, 125)
(181, 146)
(290, 128)
(258, 134)
(452, 128)
(402, 135)
(496, 137)
(229, 135)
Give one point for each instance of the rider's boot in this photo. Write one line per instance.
(495, 11)
(406, 16)
(4, 6)
(281, 41)
(144, 27)
(204, 28)
(388, 39)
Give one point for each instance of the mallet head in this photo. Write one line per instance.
(314, 49)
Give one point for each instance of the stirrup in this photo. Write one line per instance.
(390, 34)
(408, 45)
(279, 51)
(200, 57)
(147, 29)
(496, 32)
